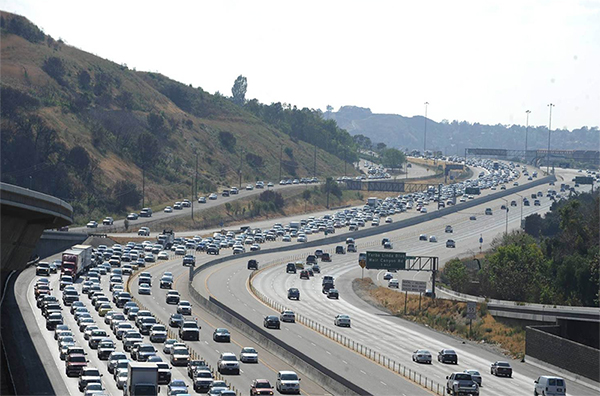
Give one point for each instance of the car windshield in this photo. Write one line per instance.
(229, 358)
(94, 386)
(204, 374)
(289, 377)
(92, 373)
(263, 384)
(147, 348)
(449, 352)
(177, 383)
(248, 350)
(222, 331)
(180, 351)
(463, 377)
(503, 364)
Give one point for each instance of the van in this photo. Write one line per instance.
(550, 386)
(393, 283)
(327, 279)
(290, 268)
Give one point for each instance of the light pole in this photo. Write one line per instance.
(521, 205)
(425, 132)
(506, 229)
(549, 129)
(526, 132)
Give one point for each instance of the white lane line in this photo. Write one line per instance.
(345, 362)
(363, 372)
(313, 344)
(329, 353)
(383, 383)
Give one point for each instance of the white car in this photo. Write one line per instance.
(202, 200)
(302, 238)
(422, 356)
(342, 320)
(212, 196)
(168, 209)
(432, 238)
(92, 224)
(393, 283)
(288, 316)
(255, 248)
(248, 355)
(184, 308)
(108, 221)
(180, 251)
(163, 256)
(287, 382)
(228, 363)
(388, 219)
(249, 187)
(144, 288)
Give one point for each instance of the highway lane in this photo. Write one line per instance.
(274, 283)
(210, 350)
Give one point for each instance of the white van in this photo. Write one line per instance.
(550, 386)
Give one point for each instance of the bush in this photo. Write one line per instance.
(227, 140)
(272, 197)
(55, 68)
(255, 161)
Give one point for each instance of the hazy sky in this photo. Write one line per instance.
(480, 61)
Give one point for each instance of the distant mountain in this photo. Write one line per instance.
(86, 129)
(453, 137)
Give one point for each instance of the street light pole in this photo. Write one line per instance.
(506, 229)
(521, 205)
(549, 129)
(526, 132)
(425, 132)
(280, 159)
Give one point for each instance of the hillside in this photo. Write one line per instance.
(84, 128)
(453, 137)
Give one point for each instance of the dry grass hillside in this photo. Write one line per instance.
(127, 120)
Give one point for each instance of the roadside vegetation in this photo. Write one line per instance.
(446, 316)
(554, 261)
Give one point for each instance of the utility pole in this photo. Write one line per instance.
(280, 159)
(345, 162)
(195, 186)
(241, 159)
(526, 132)
(143, 186)
(315, 165)
(549, 129)
(425, 133)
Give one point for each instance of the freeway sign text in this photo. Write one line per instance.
(386, 260)
(409, 285)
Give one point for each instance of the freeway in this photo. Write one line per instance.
(394, 337)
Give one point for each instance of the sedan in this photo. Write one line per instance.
(475, 375)
(422, 237)
(92, 224)
(501, 369)
(168, 209)
(248, 355)
(388, 276)
(421, 356)
(176, 387)
(202, 200)
(213, 196)
(272, 322)
(447, 356)
(288, 316)
(144, 288)
(163, 256)
(450, 243)
(176, 320)
(132, 216)
(342, 320)
(432, 238)
(184, 308)
(221, 335)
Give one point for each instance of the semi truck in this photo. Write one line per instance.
(142, 379)
(372, 201)
(76, 260)
(166, 239)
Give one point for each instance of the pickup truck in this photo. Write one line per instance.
(461, 384)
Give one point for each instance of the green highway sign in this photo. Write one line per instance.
(584, 180)
(411, 257)
(386, 260)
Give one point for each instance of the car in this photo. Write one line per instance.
(500, 368)
(271, 322)
(340, 249)
(461, 384)
(472, 217)
(176, 320)
(168, 345)
(163, 256)
(177, 386)
(252, 264)
(172, 297)
(432, 238)
(88, 375)
(293, 293)
(141, 352)
(221, 335)
(144, 288)
(202, 200)
(304, 274)
(92, 224)
(388, 276)
(179, 356)
(488, 211)
(316, 269)
(342, 320)
(184, 308)
(105, 347)
(132, 216)
(476, 375)
(228, 362)
(450, 243)
(333, 293)
(144, 231)
(388, 245)
(421, 356)
(168, 209)
(548, 385)
(248, 355)
(449, 229)
(42, 269)
(287, 316)
(287, 382)
(447, 356)
(261, 387)
(422, 237)
(393, 283)
(158, 333)
(213, 196)
(203, 380)
(94, 388)
(189, 330)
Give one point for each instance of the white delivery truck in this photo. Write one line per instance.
(142, 379)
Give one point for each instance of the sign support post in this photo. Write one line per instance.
(405, 301)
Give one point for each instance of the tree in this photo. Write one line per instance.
(239, 90)
(126, 194)
(227, 140)
(56, 69)
(329, 108)
(380, 146)
(455, 275)
(332, 187)
(85, 80)
(79, 159)
(306, 194)
(148, 149)
(393, 158)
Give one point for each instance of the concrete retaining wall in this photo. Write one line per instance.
(542, 344)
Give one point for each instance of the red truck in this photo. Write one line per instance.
(76, 260)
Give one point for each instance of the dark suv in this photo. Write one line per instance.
(294, 293)
(252, 264)
(290, 268)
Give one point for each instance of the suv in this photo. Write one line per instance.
(293, 293)
(172, 297)
(189, 260)
(326, 257)
(252, 264)
(228, 362)
(75, 363)
(461, 384)
(261, 387)
(290, 268)
(189, 330)
(287, 382)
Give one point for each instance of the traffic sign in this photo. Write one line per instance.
(471, 310)
(409, 285)
(386, 260)
(362, 263)
(584, 180)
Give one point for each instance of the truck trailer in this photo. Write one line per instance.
(142, 379)
(76, 260)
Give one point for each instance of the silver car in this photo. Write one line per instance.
(421, 356)
(475, 375)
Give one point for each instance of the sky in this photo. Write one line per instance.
(479, 61)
